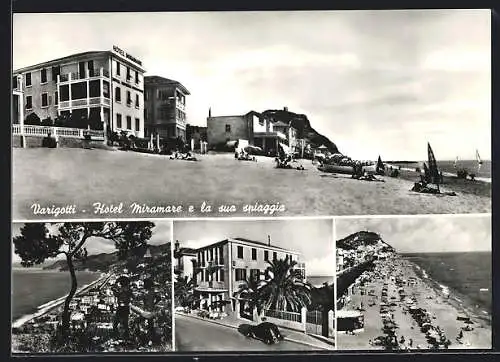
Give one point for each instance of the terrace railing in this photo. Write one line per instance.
(103, 101)
(284, 315)
(43, 131)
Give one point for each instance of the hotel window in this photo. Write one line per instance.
(128, 74)
(118, 94)
(45, 100)
(43, 76)
(221, 275)
(162, 95)
(94, 88)
(228, 128)
(266, 255)
(64, 93)
(118, 120)
(129, 98)
(56, 99)
(14, 82)
(163, 113)
(55, 72)
(241, 274)
(137, 124)
(261, 121)
(105, 89)
(129, 122)
(28, 79)
(275, 255)
(240, 252)
(137, 101)
(254, 273)
(254, 254)
(136, 77)
(79, 90)
(29, 102)
(117, 67)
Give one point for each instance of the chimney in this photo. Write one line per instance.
(285, 109)
(209, 112)
(177, 244)
(269, 240)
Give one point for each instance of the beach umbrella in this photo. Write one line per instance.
(252, 149)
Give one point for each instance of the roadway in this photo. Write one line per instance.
(197, 335)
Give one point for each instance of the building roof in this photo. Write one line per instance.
(157, 80)
(254, 113)
(73, 56)
(187, 251)
(246, 241)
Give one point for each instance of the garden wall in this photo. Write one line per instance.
(65, 142)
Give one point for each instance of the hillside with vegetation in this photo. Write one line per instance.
(361, 238)
(103, 262)
(303, 126)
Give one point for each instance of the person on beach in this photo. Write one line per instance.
(123, 295)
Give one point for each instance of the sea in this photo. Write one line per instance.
(318, 281)
(465, 275)
(32, 288)
(448, 167)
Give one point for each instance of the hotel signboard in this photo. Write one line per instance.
(126, 55)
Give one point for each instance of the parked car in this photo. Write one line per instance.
(266, 332)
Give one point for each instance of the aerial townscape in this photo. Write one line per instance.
(385, 301)
(88, 104)
(125, 307)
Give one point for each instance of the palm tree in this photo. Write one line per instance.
(283, 288)
(250, 293)
(184, 291)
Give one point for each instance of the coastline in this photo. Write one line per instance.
(427, 293)
(445, 174)
(456, 299)
(50, 305)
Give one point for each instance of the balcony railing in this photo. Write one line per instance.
(88, 74)
(42, 131)
(84, 102)
(181, 106)
(212, 284)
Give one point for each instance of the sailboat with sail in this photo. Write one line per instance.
(430, 181)
(380, 168)
(433, 169)
(479, 161)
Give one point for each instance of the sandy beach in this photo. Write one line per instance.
(443, 310)
(40, 176)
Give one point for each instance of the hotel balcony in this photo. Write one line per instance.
(84, 102)
(89, 74)
(212, 285)
(180, 105)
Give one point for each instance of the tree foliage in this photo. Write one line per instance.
(35, 244)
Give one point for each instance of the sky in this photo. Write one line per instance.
(161, 235)
(450, 233)
(374, 82)
(313, 239)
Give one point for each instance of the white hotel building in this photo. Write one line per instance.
(108, 85)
